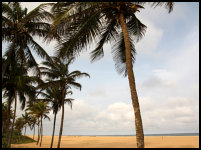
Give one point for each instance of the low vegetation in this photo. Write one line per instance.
(17, 138)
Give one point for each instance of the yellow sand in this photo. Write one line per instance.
(115, 142)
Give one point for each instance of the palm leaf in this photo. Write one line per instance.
(119, 54)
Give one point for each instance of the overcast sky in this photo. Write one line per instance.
(167, 80)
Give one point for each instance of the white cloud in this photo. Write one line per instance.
(151, 39)
(181, 70)
(118, 118)
(159, 14)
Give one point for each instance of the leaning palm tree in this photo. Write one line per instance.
(80, 23)
(53, 96)
(19, 29)
(58, 73)
(40, 109)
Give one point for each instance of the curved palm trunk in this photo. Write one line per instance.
(55, 116)
(8, 125)
(134, 97)
(10, 138)
(41, 131)
(38, 132)
(62, 119)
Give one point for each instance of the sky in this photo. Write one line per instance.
(166, 74)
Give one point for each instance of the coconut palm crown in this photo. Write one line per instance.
(19, 28)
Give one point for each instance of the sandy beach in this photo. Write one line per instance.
(115, 142)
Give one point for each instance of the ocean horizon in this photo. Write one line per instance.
(165, 134)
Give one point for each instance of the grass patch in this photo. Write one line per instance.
(17, 139)
(20, 139)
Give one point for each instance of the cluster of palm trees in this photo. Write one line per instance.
(74, 25)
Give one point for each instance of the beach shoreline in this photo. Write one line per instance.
(115, 142)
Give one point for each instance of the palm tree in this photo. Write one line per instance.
(19, 29)
(5, 118)
(53, 95)
(17, 83)
(80, 23)
(8, 122)
(26, 118)
(58, 73)
(40, 110)
(4, 115)
(31, 110)
(32, 124)
(19, 124)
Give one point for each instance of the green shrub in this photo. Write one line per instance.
(17, 138)
(4, 143)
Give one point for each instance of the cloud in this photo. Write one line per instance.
(170, 115)
(159, 15)
(180, 70)
(118, 118)
(151, 39)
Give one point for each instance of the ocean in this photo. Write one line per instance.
(166, 134)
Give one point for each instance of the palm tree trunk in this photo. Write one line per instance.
(62, 119)
(131, 78)
(25, 130)
(38, 132)
(10, 138)
(55, 116)
(2, 127)
(34, 132)
(41, 131)
(8, 125)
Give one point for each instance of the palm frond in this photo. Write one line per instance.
(168, 5)
(136, 28)
(119, 54)
(39, 50)
(85, 29)
(109, 32)
(38, 14)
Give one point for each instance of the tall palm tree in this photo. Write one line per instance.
(53, 95)
(19, 29)
(40, 110)
(58, 73)
(17, 83)
(82, 22)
